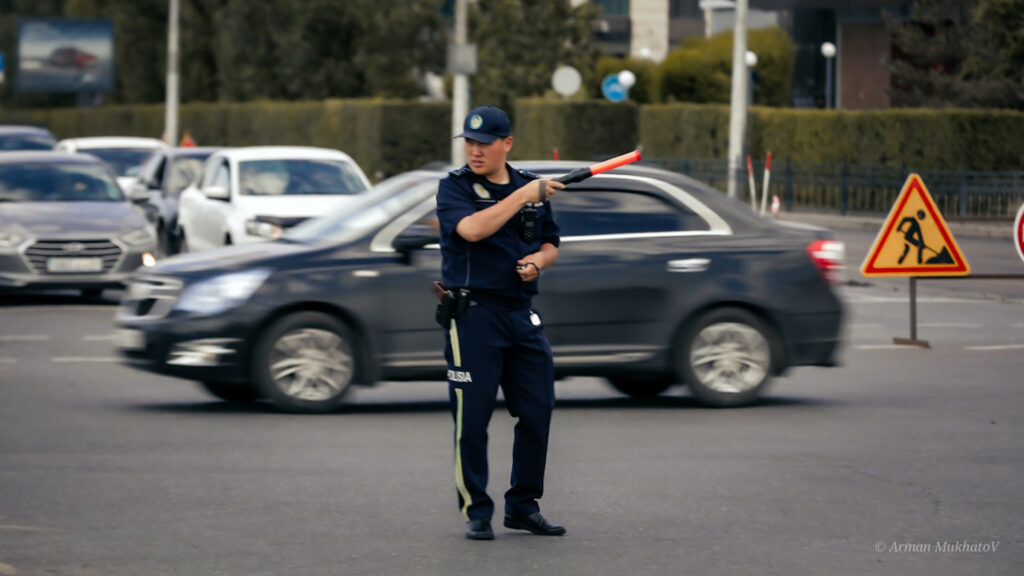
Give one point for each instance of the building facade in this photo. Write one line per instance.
(859, 77)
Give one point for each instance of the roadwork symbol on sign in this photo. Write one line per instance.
(914, 240)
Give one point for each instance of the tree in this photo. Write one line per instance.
(966, 53)
(520, 43)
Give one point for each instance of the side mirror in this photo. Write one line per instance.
(216, 192)
(415, 237)
(138, 194)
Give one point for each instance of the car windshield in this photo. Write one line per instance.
(184, 171)
(297, 177)
(35, 182)
(382, 205)
(25, 142)
(123, 161)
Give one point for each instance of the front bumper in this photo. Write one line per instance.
(23, 269)
(152, 336)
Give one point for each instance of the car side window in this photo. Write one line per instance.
(592, 212)
(222, 177)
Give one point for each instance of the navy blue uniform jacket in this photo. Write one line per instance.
(489, 265)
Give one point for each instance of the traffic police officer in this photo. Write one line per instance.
(497, 235)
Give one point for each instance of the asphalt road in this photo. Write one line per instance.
(902, 461)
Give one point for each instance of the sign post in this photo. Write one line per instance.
(914, 241)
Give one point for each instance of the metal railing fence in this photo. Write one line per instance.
(868, 189)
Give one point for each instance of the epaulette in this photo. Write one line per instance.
(458, 172)
(528, 174)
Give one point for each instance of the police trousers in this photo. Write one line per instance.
(495, 345)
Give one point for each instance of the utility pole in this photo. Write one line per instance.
(738, 101)
(460, 87)
(171, 96)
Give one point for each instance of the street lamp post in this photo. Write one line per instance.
(751, 59)
(828, 50)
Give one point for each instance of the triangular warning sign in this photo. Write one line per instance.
(914, 240)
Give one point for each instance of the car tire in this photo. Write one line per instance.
(305, 363)
(231, 391)
(641, 386)
(727, 357)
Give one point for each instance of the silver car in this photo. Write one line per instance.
(65, 223)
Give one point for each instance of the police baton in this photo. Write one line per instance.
(584, 173)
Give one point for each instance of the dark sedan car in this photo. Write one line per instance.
(660, 280)
(163, 177)
(65, 223)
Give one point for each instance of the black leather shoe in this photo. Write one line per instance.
(479, 529)
(535, 523)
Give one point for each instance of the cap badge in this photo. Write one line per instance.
(476, 122)
(481, 191)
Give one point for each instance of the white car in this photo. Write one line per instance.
(123, 154)
(253, 194)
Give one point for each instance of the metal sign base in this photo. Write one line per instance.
(912, 341)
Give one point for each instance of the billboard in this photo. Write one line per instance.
(65, 56)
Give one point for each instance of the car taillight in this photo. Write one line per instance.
(828, 256)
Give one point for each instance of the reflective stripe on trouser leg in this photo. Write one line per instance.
(453, 333)
(460, 482)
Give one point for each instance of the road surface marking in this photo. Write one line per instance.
(1000, 347)
(948, 325)
(880, 347)
(72, 359)
(862, 326)
(95, 337)
(28, 529)
(24, 338)
(8, 360)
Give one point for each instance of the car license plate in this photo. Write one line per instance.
(63, 265)
(130, 339)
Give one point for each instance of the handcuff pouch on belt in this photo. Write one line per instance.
(453, 304)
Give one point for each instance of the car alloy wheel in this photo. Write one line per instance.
(305, 362)
(729, 357)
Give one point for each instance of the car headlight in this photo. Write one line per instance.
(220, 293)
(139, 236)
(10, 238)
(263, 229)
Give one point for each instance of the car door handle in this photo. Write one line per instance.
(688, 265)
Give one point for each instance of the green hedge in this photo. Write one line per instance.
(581, 130)
(384, 136)
(934, 139)
(701, 69)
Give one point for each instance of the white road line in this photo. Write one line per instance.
(24, 338)
(1018, 325)
(906, 300)
(1000, 347)
(8, 360)
(862, 326)
(73, 359)
(947, 325)
(95, 337)
(881, 347)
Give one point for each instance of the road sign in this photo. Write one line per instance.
(613, 89)
(914, 240)
(1018, 232)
